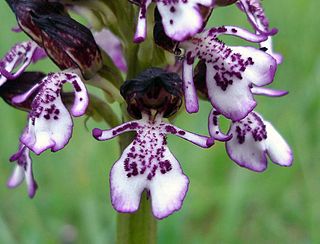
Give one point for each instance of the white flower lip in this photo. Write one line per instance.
(147, 163)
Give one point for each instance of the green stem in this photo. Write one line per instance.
(139, 227)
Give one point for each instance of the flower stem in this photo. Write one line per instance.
(139, 227)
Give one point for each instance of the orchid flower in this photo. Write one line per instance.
(230, 71)
(72, 47)
(147, 162)
(257, 18)
(174, 15)
(50, 124)
(250, 140)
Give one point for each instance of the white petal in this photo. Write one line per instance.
(190, 93)
(23, 170)
(239, 32)
(17, 177)
(268, 44)
(277, 148)
(141, 30)
(48, 130)
(147, 164)
(247, 146)
(168, 190)
(264, 66)
(199, 140)
(182, 19)
(268, 92)
(31, 183)
(103, 135)
(125, 191)
(21, 54)
(235, 102)
(81, 99)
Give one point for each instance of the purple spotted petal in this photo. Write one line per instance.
(103, 135)
(230, 96)
(174, 15)
(238, 32)
(112, 46)
(257, 18)
(190, 93)
(23, 171)
(50, 124)
(260, 68)
(19, 57)
(253, 139)
(236, 101)
(201, 141)
(141, 30)
(81, 99)
(214, 127)
(147, 164)
(168, 187)
(182, 19)
(229, 81)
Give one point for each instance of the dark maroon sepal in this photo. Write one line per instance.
(199, 79)
(225, 2)
(153, 89)
(19, 86)
(24, 9)
(69, 43)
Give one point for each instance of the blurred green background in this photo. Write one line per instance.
(225, 203)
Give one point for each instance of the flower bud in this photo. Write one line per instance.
(153, 89)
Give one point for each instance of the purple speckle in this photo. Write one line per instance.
(170, 129)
